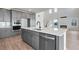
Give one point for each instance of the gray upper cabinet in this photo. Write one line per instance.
(24, 15)
(19, 15)
(6, 15)
(28, 16)
(16, 15)
(1, 15)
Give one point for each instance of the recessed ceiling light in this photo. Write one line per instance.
(29, 9)
(55, 10)
(50, 11)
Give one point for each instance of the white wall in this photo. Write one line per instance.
(69, 12)
(48, 17)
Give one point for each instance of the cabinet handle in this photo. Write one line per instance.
(48, 37)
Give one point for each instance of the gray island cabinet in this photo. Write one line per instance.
(31, 38)
(42, 41)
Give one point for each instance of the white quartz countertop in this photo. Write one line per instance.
(52, 31)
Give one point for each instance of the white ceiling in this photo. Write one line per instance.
(33, 10)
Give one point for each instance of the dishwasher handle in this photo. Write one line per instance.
(48, 37)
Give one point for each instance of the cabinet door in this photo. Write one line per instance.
(16, 15)
(29, 37)
(1, 15)
(42, 43)
(28, 16)
(19, 15)
(35, 40)
(26, 36)
(7, 32)
(1, 32)
(24, 16)
(4, 33)
(6, 15)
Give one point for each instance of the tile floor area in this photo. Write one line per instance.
(14, 43)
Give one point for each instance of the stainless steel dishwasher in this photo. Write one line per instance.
(47, 42)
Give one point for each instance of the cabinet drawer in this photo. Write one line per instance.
(47, 35)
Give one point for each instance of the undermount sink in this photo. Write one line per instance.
(38, 29)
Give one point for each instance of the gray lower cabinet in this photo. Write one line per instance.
(35, 40)
(23, 34)
(30, 37)
(7, 32)
(26, 36)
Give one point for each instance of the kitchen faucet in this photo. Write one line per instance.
(38, 22)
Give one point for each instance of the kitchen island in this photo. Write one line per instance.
(44, 39)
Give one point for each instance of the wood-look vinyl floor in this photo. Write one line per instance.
(14, 43)
(72, 40)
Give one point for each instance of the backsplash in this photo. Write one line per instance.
(5, 24)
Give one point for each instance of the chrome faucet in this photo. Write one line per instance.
(38, 22)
